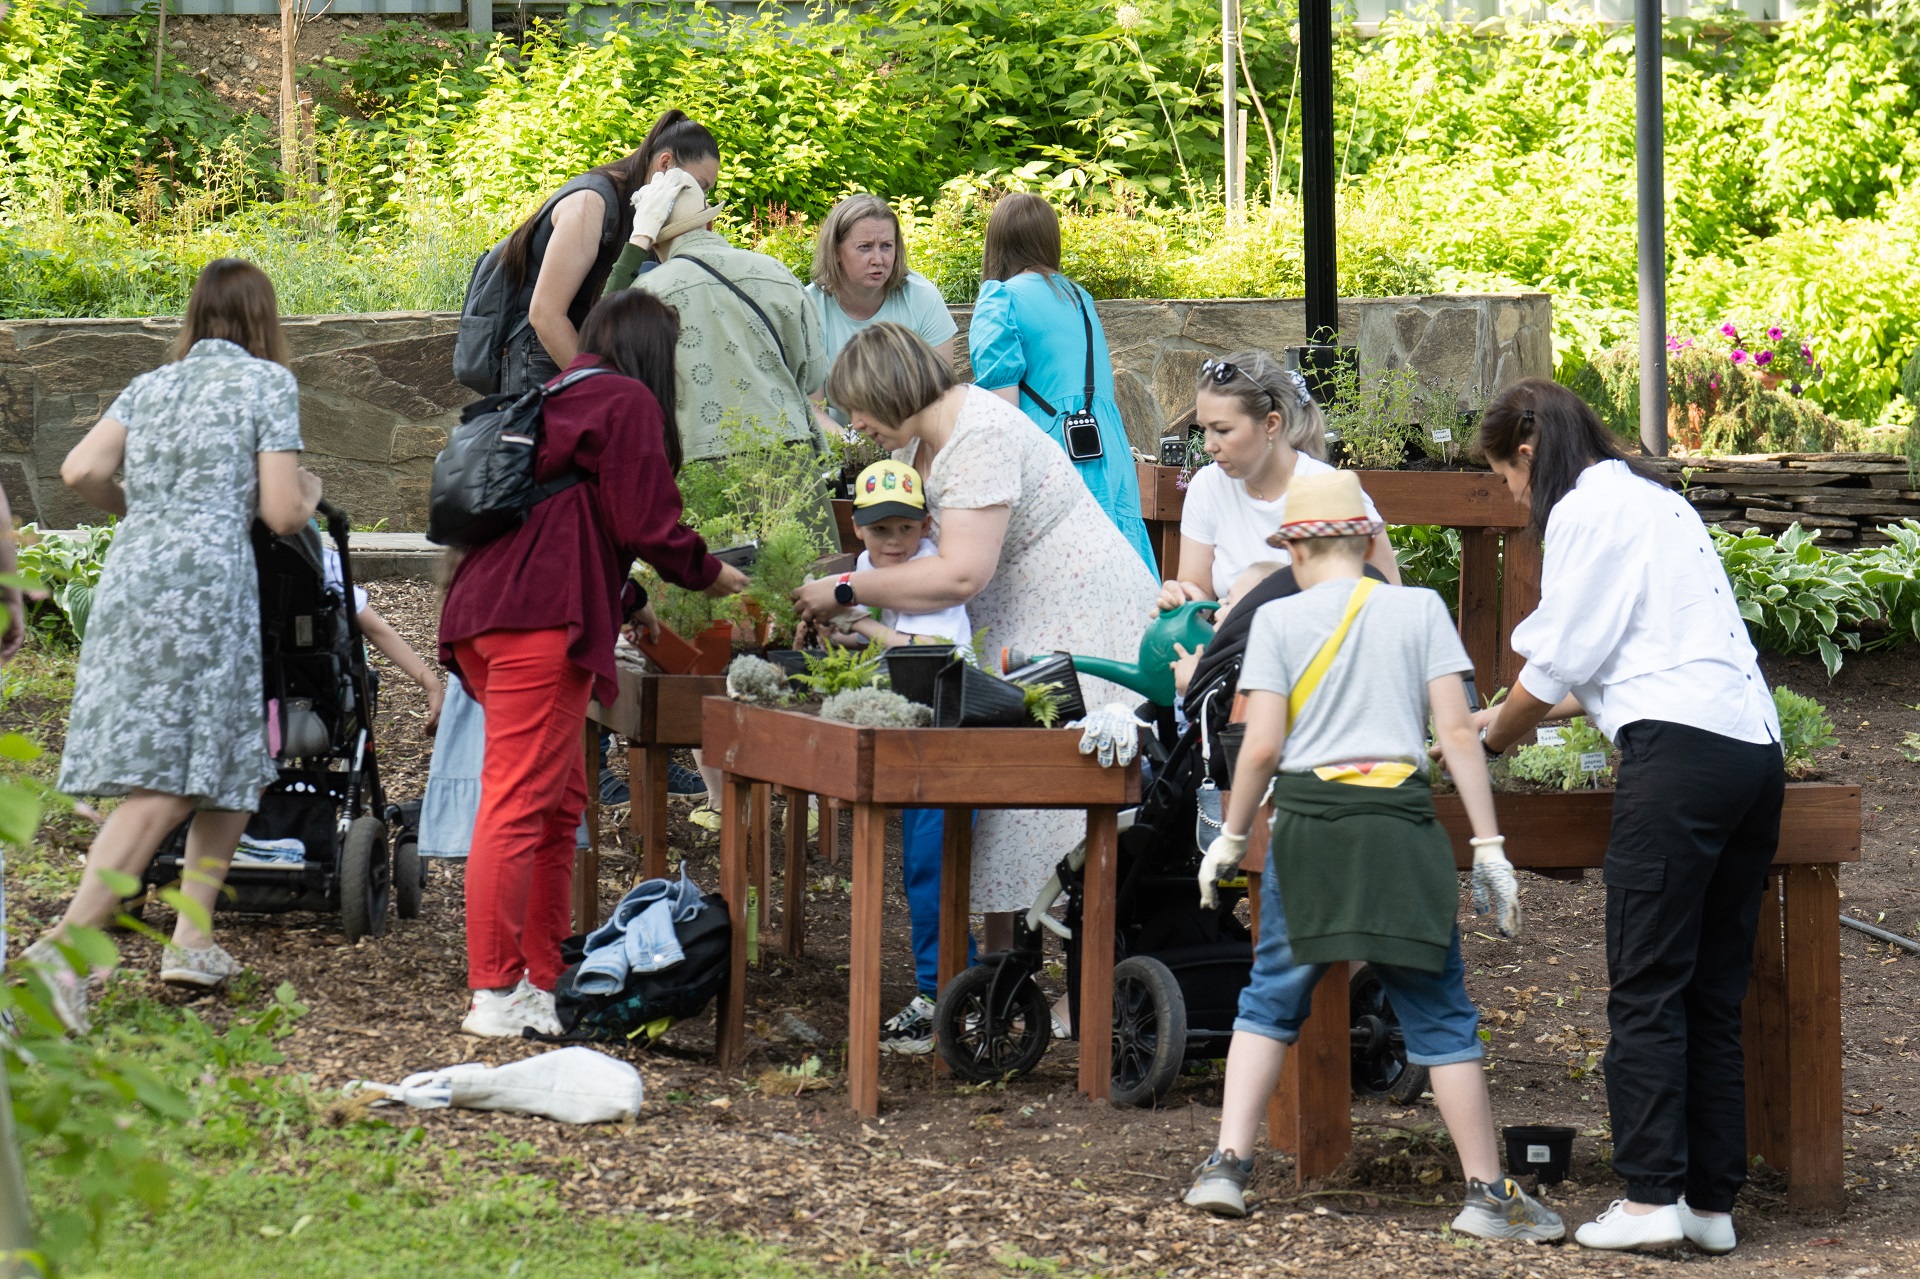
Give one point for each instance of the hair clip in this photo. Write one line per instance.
(1301, 394)
(1526, 415)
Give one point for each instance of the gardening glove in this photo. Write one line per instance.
(653, 204)
(1113, 731)
(1494, 887)
(1223, 857)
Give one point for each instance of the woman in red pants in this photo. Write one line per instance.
(529, 625)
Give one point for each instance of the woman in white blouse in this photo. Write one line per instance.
(1638, 629)
(1262, 428)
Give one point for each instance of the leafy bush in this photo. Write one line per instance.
(1559, 764)
(1804, 729)
(1718, 406)
(1429, 556)
(68, 568)
(1797, 598)
(841, 670)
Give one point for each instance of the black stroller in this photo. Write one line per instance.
(1179, 967)
(321, 698)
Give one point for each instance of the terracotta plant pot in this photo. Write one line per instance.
(716, 649)
(671, 652)
(762, 625)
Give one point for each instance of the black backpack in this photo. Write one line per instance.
(496, 311)
(643, 1009)
(483, 484)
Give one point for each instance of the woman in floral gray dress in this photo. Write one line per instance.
(167, 703)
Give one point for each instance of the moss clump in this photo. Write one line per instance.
(756, 680)
(876, 708)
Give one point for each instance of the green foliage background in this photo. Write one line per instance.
(1499, 156)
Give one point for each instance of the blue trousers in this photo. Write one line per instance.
(922, 830)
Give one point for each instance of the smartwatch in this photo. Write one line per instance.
(1485, 747)
(843, 591)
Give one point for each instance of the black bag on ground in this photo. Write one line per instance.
(483, 484)
(643, 1009)
(495, 309)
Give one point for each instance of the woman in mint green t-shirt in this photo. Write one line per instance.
(860, 276)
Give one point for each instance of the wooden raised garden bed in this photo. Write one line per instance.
(874, 769)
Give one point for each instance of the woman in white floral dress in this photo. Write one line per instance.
(1022, 543)
(167, 703)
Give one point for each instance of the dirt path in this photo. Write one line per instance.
(986, 1180)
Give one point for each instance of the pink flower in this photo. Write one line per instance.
(1727, 330)
(1739, 356)
(1764, 358)
(1775, 333)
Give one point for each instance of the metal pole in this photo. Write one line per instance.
(1229, 106)
(1650, 144)
(16, 1219)
(1316, 170)
(480, 17)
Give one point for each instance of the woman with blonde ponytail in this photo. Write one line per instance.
(1262, 431)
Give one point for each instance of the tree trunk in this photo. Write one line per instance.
(292, 18)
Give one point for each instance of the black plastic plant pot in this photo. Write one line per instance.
(1544, 1150)
(793, 661)
(967, 697)
(1230, 738)
(1057, 670)
(912, 669)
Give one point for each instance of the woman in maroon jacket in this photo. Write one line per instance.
(529, 625)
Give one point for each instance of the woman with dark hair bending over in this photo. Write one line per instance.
(565, 262)
(1638, 629)
(530, 623)
(168, 707)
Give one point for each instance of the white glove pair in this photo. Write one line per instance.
(653, 204)
(1113, 731)
(1224, 855)
(1494, 885)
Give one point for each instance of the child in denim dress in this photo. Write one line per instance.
(1340, 680)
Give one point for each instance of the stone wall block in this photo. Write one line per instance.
(419, 440)
(17, 418)
(1265, 325)
(20, 491)
(1139, 411)
(341, 426)
(366, 493)
(1175, 375)
(413, 377)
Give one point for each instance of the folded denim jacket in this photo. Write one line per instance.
(639, 937)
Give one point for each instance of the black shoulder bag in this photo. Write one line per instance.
(1080, 428)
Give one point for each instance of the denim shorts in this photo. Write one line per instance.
(1440, 1023)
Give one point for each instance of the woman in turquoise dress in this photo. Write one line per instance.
(1028, 345)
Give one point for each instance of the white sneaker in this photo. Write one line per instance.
(1621, 1231)
(538, 1008)
(499, 1015)
(66, 989)
(204, 968)
(1707, 1233)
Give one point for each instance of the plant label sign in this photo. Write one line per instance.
(1546, 737)
(1592, 761)
(1443, 435)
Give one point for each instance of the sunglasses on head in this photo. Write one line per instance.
(1221, 372)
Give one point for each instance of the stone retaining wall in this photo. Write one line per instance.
(377, 395)
(1848, 497)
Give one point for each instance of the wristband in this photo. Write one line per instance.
(1487, 749)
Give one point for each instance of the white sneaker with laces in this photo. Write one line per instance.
(1707, 1232)
(66, 989)
(1618, 1230)
(537, 1008)
(497, 1014)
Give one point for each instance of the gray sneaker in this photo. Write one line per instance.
(205, 968)
(909, 1031)
(66, 989)
(1220, 1185)
(1505, 1211)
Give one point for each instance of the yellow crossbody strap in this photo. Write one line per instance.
(1317, 668)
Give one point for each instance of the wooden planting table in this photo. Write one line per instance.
(654, 714)
(1791, 1019)
(874, 769)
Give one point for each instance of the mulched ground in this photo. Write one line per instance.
(985, 1180)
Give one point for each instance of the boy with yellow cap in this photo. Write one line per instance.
(890, 514)
(1340, 680)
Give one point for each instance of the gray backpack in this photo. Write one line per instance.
(495, 312)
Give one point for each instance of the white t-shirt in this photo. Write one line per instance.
(1219, 512)
(948, 623)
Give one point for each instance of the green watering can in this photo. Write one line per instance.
(1151, 675)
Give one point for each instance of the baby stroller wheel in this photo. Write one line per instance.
(985, 1034)
(409, 878)
(1149, 1031)
(1380, 1066)
(364, 881)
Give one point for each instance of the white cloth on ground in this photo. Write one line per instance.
(574, 1085)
